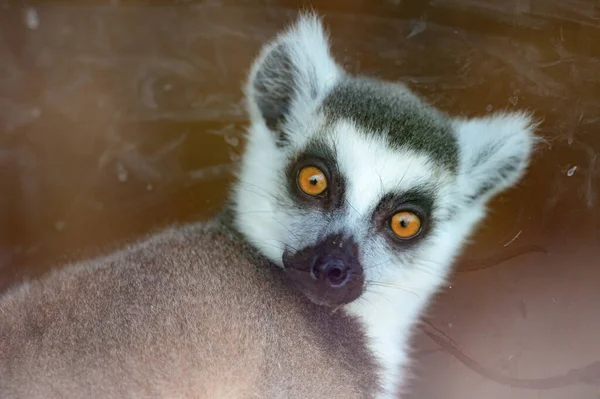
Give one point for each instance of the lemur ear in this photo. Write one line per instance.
(495, 152)
(291, 75)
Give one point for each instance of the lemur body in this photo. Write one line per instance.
(188, 313)
(360, 192)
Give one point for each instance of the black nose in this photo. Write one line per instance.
(335, 272)
(329, 273)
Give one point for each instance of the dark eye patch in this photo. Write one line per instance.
(322, 156)
(418, 201)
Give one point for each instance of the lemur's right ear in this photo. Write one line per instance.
(290, 77)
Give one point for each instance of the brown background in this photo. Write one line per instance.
(117, 118)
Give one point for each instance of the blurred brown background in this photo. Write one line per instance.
(119, 117)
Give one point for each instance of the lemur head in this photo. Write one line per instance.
(350, 182)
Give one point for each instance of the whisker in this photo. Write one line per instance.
(351, 206)
(376, 265)
(405, 172)
(287, 228)
(261, 194)
(262, 211)
(285, 244)
(433, 263)
(394, 286)
(245, 182)
(381, 187)
(259, 211)
(272, 245)
(361, 298)
(387, 298)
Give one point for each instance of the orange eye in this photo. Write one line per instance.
(405, 224)
(312, 180)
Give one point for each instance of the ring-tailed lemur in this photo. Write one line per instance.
(358, 190)
(368, 193)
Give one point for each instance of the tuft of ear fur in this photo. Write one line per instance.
(494, 152)
(291, 75)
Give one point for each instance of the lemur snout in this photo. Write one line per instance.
(335, 272)
(328, 273)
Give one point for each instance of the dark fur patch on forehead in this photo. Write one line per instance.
(385, 108)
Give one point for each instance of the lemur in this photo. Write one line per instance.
(352, 200)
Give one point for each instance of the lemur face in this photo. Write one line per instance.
(351, 183)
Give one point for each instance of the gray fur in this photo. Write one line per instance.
(188, 313)
(383, 108)
(275, 85)
(505, 170)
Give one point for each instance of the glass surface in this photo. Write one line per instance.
(119, 117)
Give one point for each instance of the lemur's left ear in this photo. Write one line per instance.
(290, 76)
(494, 152)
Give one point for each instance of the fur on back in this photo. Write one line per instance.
(188, 313)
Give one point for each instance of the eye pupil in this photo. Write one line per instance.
(405, 224)
(312, 181)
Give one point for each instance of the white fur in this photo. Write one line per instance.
(258, 218)
(398, 287)
(309, 47)
(372, 169)
(510, 134)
